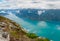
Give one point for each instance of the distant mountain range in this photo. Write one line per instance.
(35, 14)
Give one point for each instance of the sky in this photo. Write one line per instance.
(37, 4)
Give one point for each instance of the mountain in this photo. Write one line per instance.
(34, 14)
(37, 14)
(50, 15)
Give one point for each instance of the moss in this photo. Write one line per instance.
(31, 35)
(14, 34)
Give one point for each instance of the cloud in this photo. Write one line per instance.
(2, 12)
(58, 27)
(51, 40)
(37, 4)
(42, 24)
(40, 12)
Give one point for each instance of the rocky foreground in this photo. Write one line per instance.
(11, 31)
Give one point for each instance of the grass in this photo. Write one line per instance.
(31, 35)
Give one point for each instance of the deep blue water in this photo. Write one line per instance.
(46, 24)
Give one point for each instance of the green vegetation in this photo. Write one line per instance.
(14, 34)
(31, 35)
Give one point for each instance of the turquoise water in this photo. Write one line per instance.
(50, 30)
